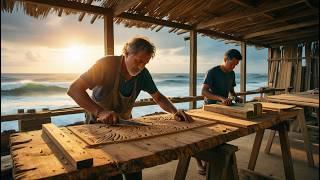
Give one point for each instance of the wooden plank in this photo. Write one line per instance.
(76, 155)
(296, 97)
(221, 118)
(276, 106)
(99, 134)
(233, 110)
(298, 103)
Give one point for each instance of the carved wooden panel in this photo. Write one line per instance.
(98, 134)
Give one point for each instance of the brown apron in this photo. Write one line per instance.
(115, 101)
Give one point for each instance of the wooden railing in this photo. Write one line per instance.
(76, 110)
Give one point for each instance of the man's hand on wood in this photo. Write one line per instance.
(180, 115)
(107, 117)
(227, 101)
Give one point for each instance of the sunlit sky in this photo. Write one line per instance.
(65, 45)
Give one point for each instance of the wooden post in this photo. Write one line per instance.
(193, 68)
(243, 69)
(108, 35)
(308, 66)
(255, 149)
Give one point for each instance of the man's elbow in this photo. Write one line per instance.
(203, 92)
(70, 91)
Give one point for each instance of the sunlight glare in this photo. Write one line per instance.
(74, 53)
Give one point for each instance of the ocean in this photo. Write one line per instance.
(37, 91)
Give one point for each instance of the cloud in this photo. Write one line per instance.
(32, 57)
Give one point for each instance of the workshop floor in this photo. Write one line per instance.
(267, 164)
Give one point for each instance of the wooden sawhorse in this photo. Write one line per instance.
(282, 128)
(221, 160)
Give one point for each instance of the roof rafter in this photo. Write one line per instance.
(124, 5)
(280, 29)
(251, 12)
(83, 13)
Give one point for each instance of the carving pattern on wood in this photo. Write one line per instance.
(99, 134)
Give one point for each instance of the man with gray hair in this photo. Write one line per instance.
(116, 82)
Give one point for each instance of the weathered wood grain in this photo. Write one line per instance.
(76, 155)
(98, 134)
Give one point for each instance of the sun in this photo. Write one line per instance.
(74, 53)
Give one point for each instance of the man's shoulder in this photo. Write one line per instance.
(144, 73)
(214, 69)
(109, 58)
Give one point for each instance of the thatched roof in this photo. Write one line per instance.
(261, 23)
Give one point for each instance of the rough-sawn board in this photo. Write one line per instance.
(99, 134)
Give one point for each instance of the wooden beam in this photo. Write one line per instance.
(83, 13)
(71, 5)
(250, 5)
(193, 68)
(310, 5)
(108, 36)
(243, 3)
(76, 155)
(124, 5)
(243, 70)
(154, 21)
(251, 12)
(292, 35)
(280, 29)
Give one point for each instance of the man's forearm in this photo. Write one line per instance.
(211, 96)
(166, 104)
(84, 101)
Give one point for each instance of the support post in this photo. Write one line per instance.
(243, 69)
(193, 68)
(108, 35)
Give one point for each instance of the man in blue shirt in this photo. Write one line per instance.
(218, 83)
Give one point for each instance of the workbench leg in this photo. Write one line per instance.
(270, 141)
(285, 151)
(307, 143)
(182, 168)
(255, 149)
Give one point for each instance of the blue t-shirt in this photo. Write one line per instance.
(219, 82)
